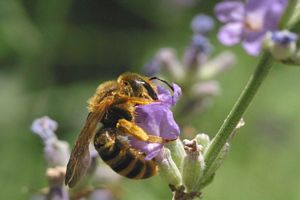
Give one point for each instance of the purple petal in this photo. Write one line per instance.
(274, 14)
(148, 117)
(151, 149)
(169, 129)
(258, 5)
(165, 96)
(156, 119)
(230, 11)
(231, 33)
(264, 14)
(252, 42)
(155, 151)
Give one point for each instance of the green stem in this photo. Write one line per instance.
(238, 110)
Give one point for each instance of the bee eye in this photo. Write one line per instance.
(126, 83)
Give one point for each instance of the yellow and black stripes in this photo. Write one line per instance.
(121, 158)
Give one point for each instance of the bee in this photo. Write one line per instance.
(113, 104)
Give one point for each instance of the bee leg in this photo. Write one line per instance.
(133, 100)
(130, 128)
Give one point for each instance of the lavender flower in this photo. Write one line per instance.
(248, 22)
(202, 24)
(45, 128)
(157, 119)
(56, 152)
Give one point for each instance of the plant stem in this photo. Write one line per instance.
(238, 109)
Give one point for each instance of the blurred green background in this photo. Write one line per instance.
(53, 54)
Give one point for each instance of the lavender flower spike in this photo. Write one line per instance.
(157, 119)
(248, 22)
(45, 128)
(56, 151)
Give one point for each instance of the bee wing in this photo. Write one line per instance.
(80, 156)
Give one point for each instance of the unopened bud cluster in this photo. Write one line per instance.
(183, 163)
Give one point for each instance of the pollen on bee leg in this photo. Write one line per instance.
(130, 128)
(156, 139)
(140, 101)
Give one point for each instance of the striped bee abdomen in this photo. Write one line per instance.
(123, 159)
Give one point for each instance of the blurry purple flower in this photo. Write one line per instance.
(217, 65)
(45, 128)
(164, 61)
(56, 152)
(202, 24)
(248, 22)
(201, 43)
(206, 88)
(152, 67)
(157, 119)
(57, 189)
(197, 51)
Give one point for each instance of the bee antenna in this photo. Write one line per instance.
(165, 82)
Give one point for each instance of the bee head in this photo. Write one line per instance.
(137, 85)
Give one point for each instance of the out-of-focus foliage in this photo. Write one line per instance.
(53, 54)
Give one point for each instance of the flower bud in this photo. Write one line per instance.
(193, 165)
(295, 59)
(202, 139)
(282, 44)
(177, 152)
(168, 169)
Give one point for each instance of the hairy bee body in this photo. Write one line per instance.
(113, 105)
(123, 159)
(116, 152)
